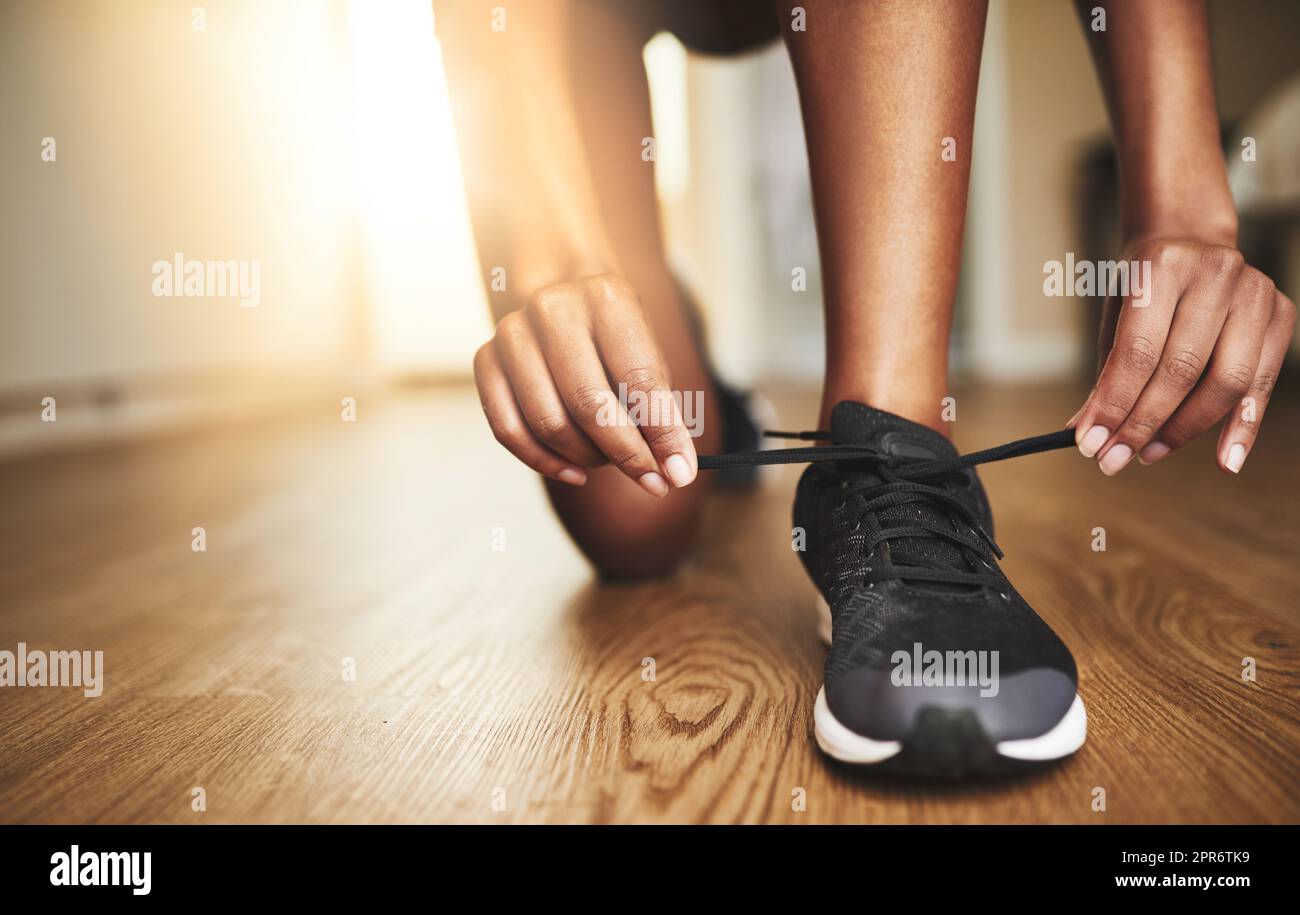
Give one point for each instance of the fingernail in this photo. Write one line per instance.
(1092, 440)
(1236, 457)
(572, 476)
(1116, 459)
(654, 484)
(679, 470)
(1153, 452)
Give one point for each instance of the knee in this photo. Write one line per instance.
(650, 553)
(625, 533)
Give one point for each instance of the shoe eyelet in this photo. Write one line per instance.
(1005, 595)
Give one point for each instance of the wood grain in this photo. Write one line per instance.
(510, 676)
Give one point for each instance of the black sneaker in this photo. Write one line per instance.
(937, 666)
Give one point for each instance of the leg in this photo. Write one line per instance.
(882, 84)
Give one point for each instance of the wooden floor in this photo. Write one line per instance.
(489, 679)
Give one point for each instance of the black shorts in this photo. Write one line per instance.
(716, 26)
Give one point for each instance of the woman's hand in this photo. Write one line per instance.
(1205, 341)
(545, 380)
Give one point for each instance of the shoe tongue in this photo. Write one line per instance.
(859, 424)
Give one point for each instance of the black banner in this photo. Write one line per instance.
(213, 863)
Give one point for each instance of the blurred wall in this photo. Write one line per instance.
(229, 142)
(1256, 47)
(1039, 103)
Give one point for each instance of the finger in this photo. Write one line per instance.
(507, 423)
(1105, 341)
(543, 409)
(1198, 323)
(1106, 333)
(1242, 427)
(1233, 368)
(559, 319)
(633, 363)
(1140, 331)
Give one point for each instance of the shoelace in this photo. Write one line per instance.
(902, 484)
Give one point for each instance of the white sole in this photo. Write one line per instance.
(847, 746)
(837, 741)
